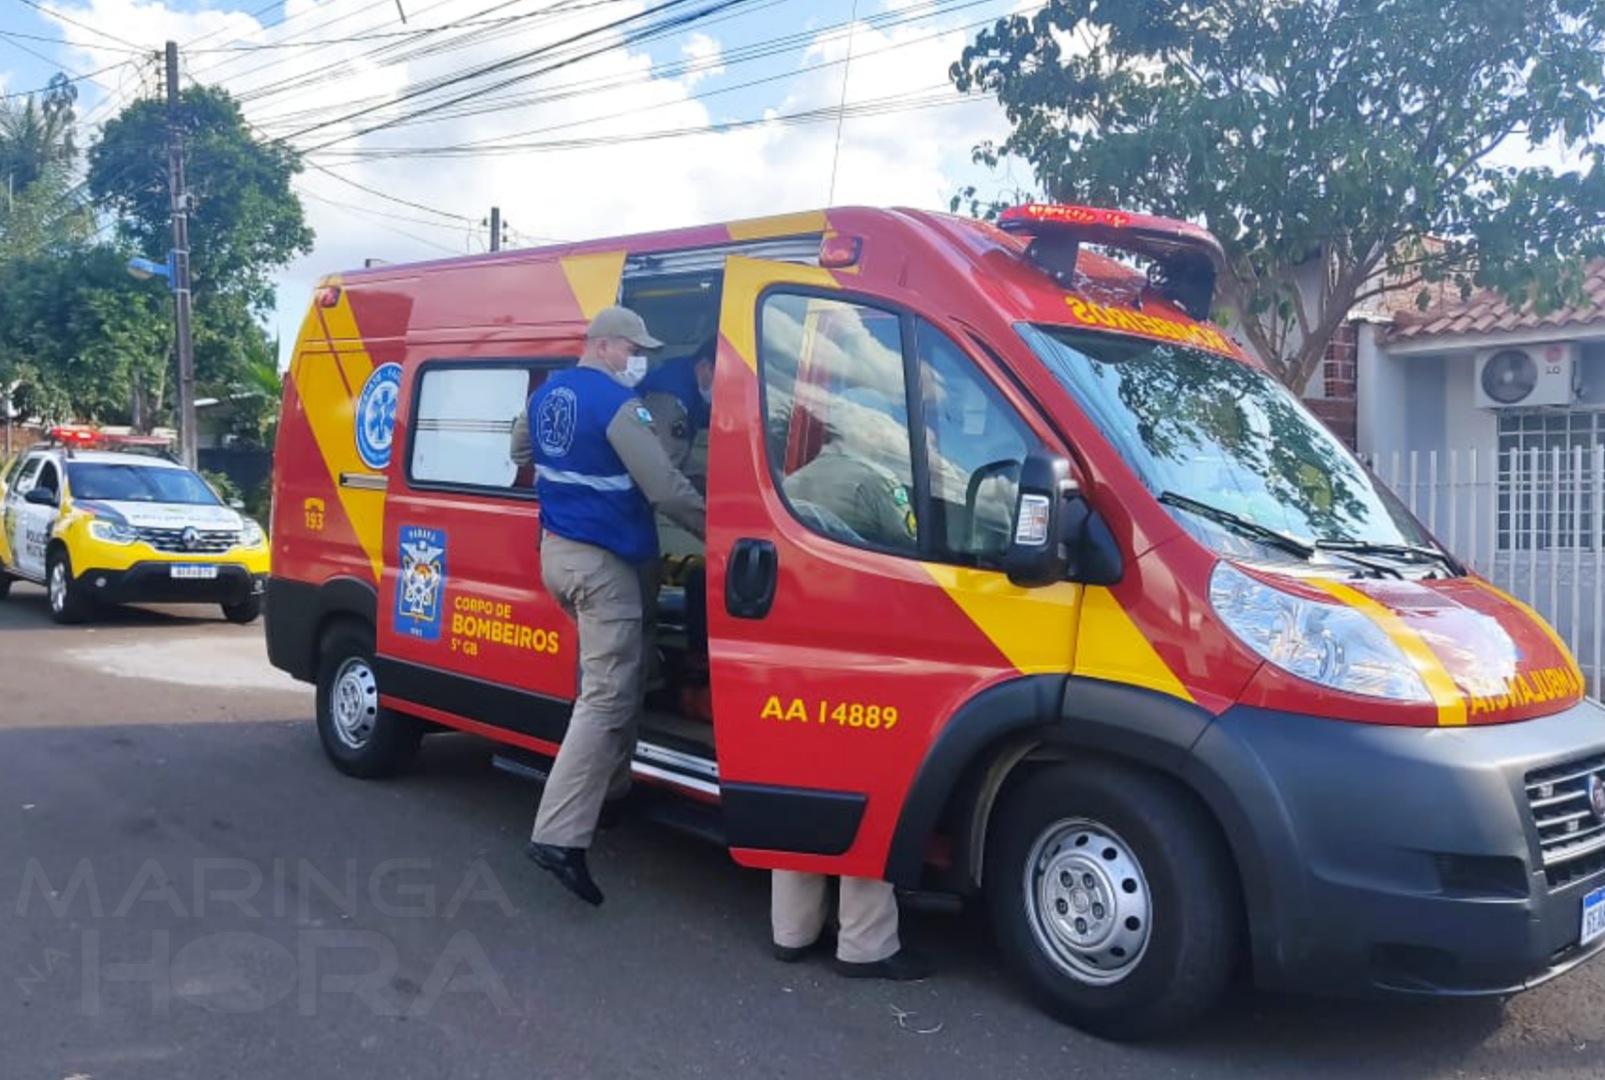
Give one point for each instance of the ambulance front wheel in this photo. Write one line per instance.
(246, 611)
(1113, 896)
(361, 738)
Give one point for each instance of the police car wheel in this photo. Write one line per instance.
(360, 737)
(67, 602)
(1112, 894)
(5, 585)
(245, 611)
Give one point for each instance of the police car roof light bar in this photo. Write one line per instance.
(1184, 258)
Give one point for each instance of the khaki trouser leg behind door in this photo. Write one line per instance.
(604, 594)
(798, 906)
(799, 903)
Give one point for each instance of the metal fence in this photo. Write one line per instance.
(1532, 521)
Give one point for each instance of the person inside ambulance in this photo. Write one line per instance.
(600, 472)
(851, 489)
(689, 380)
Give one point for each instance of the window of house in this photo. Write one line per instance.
(462, 424)
(1544, 499)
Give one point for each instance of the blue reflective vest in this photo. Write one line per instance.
(586, 493)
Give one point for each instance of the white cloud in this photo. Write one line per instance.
(915, 157)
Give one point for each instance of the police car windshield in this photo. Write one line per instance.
(116, 482)
(1218, 432)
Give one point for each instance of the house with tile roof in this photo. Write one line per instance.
(1478, 373)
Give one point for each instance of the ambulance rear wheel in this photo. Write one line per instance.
(360, 737)
(68, 604)
(1113, 896)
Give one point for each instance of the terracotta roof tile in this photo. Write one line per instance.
(1485, 311)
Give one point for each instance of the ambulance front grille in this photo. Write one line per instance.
(1571, 837)
(206, 541)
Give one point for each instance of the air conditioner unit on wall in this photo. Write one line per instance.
(1521, 375)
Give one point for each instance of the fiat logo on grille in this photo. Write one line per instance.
(1596, 796)
(190, 538)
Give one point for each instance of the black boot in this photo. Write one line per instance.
(901, 966)
(567, 865)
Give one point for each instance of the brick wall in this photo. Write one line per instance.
(1339, 375)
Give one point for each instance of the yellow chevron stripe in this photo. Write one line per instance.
(321, 381)
(1440, 684)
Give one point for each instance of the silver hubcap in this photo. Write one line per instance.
(58, 586)
(1087, 901)
(354, 702)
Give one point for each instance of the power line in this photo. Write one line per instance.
(738, 55)
(502, 65)
(60, 41)
(53, 13)
(895, 103)
(90, 76)
(704, 95)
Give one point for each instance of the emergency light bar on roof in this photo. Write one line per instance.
(1184, 258)
(86, 437)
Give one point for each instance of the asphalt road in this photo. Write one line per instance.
(187, 890)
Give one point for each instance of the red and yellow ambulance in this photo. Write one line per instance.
(1021, 580)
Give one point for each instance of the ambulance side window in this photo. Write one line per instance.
(976, 444)
(462, 424)
(836, 419)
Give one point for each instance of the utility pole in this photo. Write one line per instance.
(495, 228)
(180, 282)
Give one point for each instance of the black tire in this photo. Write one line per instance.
(66, 599)
(361, 739)
(5, 584)
(1183, 880)
(246, 611)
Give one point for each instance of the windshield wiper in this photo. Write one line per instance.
(1246, 526)
(1374, 547)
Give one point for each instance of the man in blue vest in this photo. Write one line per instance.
(599, 472)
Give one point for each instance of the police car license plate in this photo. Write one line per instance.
(192, 573)
(1593, 915)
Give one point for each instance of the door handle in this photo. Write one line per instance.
(750, 578)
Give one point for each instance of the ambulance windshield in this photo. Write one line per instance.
(1229, 449)
(110, 482)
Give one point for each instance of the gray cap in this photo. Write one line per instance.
(621, 322)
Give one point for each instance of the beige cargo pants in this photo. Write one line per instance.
(800, 903)
(612, 602)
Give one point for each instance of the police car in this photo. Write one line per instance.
(101, 520)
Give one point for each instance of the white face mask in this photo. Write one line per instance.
(707, 394)
(634, 370)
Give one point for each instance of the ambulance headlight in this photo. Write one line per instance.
(251, 534)
(1329, 644)
(112, 532)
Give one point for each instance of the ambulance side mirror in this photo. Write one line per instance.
(1058, 536)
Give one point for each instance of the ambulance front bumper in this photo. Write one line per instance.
(1411, 861)
(158, 583)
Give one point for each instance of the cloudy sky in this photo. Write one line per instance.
(731, 116)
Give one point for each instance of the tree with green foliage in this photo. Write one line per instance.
(1339, 149)
(37, 134)
(245, 220)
